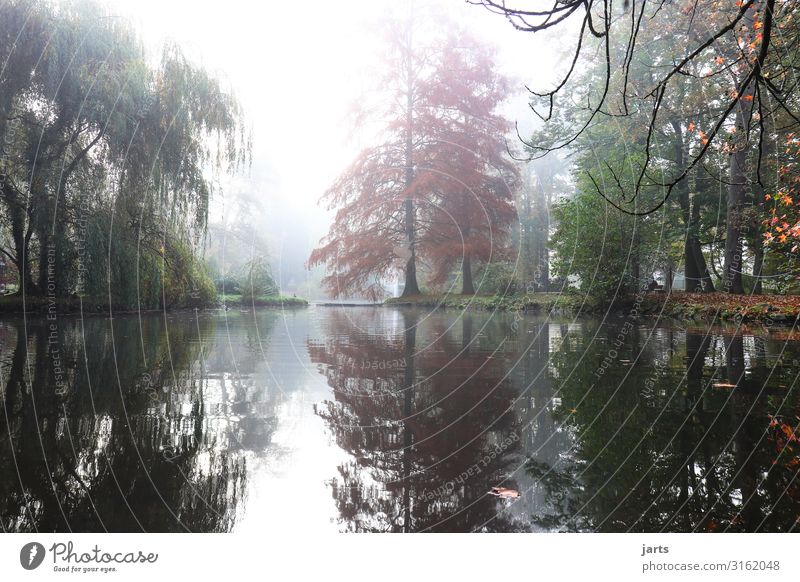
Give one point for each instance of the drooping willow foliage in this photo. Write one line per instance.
(108, 162)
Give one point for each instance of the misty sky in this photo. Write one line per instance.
(296, 67)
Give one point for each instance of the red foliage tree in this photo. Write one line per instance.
(436, 186)
(473, 197)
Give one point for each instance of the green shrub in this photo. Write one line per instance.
(497, 279)
(257, 281)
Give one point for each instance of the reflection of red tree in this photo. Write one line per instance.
(417, 431)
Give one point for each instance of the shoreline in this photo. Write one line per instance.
(782, 310)
(687, 307)
(12, 305)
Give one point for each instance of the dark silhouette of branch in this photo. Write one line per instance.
(598, 20)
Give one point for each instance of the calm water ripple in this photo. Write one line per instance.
(381, 419)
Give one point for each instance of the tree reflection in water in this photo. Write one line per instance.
(154, 435)
(684, 430)
(694, 453)
(418, 404)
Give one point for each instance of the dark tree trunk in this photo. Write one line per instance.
(46, 267)
(636, 271)
(758, 263)
(467, 286)
(695, 269)
(691, 270)
(706, 283)
(411, 287)
(668, 271)
(768, 184)
(732, 271)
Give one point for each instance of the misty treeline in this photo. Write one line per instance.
(109, 158)
(665, 146)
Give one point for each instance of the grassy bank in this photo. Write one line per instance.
(528, 302)
(13, 304)
(263, 301)
(783, 309)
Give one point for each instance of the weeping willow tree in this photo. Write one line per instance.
(108, 161)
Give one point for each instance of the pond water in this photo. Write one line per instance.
(392, 419)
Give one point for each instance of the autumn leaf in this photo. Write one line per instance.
(723, 385)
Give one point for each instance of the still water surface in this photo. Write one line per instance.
(381, 419)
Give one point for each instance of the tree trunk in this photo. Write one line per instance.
(691, 271)
(706, 283)
(760, 189)
(636, 271)
(467, 287)
(732, 271)
(543, 199)
(411, 287)
(526, 233)
(46, 263)
(758, 263)
(668, 270)
(544, 251)
(695, 271)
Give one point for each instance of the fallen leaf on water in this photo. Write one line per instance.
(504, 493)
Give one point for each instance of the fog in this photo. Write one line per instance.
(296, 69)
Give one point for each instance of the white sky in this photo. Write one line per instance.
(296, 65)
